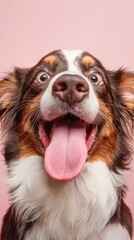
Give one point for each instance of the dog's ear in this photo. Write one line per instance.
(123, 87)
(10, 89)
(126, 90)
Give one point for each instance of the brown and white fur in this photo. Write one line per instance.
(90, 206)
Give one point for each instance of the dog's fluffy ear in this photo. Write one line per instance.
(126, 90)
(10, 89)
(123, 84)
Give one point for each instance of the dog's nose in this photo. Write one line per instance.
(70, 88)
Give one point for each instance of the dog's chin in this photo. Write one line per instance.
(67, 141)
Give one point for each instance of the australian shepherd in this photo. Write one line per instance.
(66, 145)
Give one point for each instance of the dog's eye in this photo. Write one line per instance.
(42, 77)
(96, 78)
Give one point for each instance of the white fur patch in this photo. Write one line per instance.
(69, 210)
(115, 232)
(71, 57)
(128, 95)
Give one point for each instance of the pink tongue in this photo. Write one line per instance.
(67, 152)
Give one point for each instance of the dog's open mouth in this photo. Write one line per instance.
(66, 141)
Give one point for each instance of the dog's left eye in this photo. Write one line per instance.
(42, 77)
(96, 78)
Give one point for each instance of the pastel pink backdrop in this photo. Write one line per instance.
(30, 29)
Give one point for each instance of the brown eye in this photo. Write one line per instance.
(96, 78)
(42, 77)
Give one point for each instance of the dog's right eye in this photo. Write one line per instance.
(42, 77)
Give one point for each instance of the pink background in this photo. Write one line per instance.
(30, 29)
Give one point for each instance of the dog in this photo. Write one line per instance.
(65, 124)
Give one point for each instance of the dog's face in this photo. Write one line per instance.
(69, 109)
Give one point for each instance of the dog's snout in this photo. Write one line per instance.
(70, 88)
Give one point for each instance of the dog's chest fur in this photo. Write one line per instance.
(64, 210)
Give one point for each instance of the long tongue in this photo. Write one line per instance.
(67, 152)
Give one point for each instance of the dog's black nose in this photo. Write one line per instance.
(70, 88)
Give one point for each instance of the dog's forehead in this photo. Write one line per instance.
(71, 55)
(70, 59)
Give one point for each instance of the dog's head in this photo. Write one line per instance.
(68, 109)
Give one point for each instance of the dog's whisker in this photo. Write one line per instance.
(32, 86)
